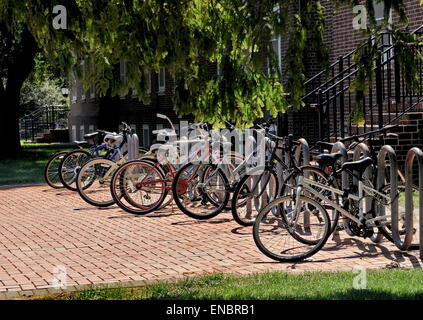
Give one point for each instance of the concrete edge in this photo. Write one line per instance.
(26, 185)
(47, 292)
(39, 293)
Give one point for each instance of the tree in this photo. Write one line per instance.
(42, 87)
(181, 35)
(17, 53)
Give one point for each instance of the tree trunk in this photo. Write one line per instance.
(20, 66)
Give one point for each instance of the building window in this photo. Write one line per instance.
(73, 132)
(83, 93)
(74, 87)
(385, 40)
(276, 48)
(145, 135)
(159, 126)
(81, 132)
(380, 12)
(91, 128)
(162, 80)
(123, 74)
(92, 91)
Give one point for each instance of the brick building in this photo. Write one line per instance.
(341, 39)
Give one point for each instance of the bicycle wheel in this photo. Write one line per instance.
(230, 163)
(277, 225)
(318, 175)
(168, 177)
(252, 193)
(382, 208)
(70, 166)
(51, 170)
(93, 182)
(198, 196)
(138, 187)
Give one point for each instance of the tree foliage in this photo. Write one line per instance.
(182, 35)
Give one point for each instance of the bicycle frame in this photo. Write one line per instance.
(306, 184)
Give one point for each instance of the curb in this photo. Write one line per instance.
(39, 293)
(12, 186)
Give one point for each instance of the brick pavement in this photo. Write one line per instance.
(42, 229)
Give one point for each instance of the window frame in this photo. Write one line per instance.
(276, 38)
(161, 88)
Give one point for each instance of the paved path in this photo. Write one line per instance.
(44, 231)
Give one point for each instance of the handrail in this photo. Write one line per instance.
(365, 42)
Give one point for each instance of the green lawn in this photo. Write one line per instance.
(29, 166)
(381, 284)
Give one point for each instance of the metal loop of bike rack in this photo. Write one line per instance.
(340, 147)
(133, 146)
(387, 150)
(304, 150)
(409, 206)
(363, 149)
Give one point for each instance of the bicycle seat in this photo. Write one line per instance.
(113, 140)
(325, 145)
(328, 159)
(359, 165)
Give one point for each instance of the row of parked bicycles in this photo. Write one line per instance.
(294, 200)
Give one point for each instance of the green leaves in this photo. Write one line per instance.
(185, 37)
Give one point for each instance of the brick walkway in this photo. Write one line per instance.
(42, 229)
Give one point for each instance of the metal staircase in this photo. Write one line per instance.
(387, 100)
(42, 121)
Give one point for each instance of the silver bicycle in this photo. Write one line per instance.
(301, 225)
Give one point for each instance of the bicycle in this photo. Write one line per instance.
(368, 138)
(141, 186)
(93, 179)
(254, 190)
(305, 223)
(73, 160)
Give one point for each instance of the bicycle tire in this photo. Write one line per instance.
(65, 168)
(180, 187)
(306, 250)
(86, 191)
(240, 188)
(136, 208)
(386, 229)
(48, 167)
(316, 170)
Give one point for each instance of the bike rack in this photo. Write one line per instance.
(385, 151)
(133, 146)
(409, 206)
(304, 150)
(363, 149)
(340, 147)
